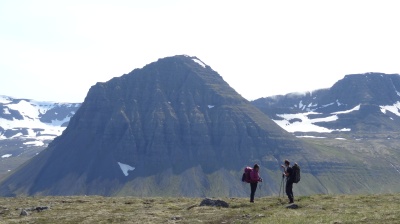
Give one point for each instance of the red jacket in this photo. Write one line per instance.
(254, 177)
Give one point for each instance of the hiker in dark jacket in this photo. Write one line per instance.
(254, 179)
(288, 172)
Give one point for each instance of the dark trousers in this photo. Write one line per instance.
(289, 190)
(253, 187)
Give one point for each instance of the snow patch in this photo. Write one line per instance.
(301, 106)
(5, 99)
(16, 135)
(31, 111)
(31, 121)
(34, 143)
(199, 62)
(302, 123)
(125, 168)
(27, 109)
(6, 156)
(348, 111)
(6, 110)
(309, 136)
(392, 108)
(327, 105)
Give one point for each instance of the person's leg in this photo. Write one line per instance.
(289, 191)
(253, 187)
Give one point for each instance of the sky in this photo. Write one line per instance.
(56, 50)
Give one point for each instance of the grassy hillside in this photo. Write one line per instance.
(312, 209)
(20, 154)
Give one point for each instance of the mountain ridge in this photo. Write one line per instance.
(349, 102)
(176, 128)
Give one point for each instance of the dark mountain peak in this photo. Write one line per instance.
(170, 79)
(172, 115)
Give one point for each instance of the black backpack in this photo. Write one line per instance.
(296, 173)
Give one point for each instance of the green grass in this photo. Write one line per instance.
(312, 209)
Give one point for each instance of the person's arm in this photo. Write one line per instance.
(285, 173)
(288, 171)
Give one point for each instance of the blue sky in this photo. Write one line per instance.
(56, 50)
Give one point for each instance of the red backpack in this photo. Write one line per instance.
(246, 174)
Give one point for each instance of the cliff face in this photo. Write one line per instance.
(174, 113)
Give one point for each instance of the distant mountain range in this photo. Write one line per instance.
(176, 128)
(359, 103)
(27, 126)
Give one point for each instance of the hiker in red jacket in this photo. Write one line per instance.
(254, 179)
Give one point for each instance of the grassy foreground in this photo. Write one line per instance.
(96, 209)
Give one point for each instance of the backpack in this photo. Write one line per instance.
(296, 173)
(246, 174)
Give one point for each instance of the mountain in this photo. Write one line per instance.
(27, 126)
(174, 127)
(359, 103)
(356, 121)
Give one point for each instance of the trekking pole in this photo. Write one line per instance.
(281, 187)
